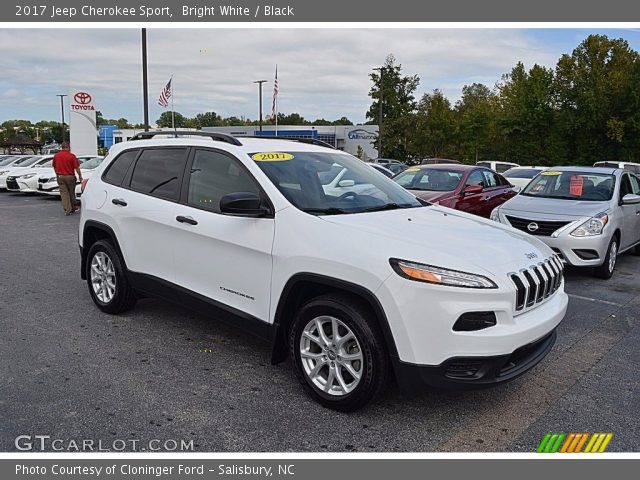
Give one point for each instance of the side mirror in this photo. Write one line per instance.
(630, 199)
(346, 183)
(243, 204)
(517, 188)
(471, 189)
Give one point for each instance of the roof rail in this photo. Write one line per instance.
(219, 137)
(311, 141)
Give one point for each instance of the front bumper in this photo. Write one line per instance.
(580, 251)
(461, 373)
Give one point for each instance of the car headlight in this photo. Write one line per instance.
(30, 175)
(495, 216)
(592, 227)
(4, 172)
(438, 275)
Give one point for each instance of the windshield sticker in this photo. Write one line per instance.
(575, 186)
(413, 169)
(551, 173)
(271, 157)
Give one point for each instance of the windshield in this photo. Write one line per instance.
(26, 161)
(571, 186)
(45, 163)
(326, 183)
(7, 161)
(91, 164)
(432, 179)
(522, 172)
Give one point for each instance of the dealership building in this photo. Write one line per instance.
(342, 137)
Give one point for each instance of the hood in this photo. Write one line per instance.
(551, 207)
(432, 196)
(430, 233)
(14, 172)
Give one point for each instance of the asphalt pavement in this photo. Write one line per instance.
(159, 372)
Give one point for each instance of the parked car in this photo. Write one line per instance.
(438, 161)
(396, 166)
(521, 176)
(353, 286)
(587, 215)
(463, 187)
(628, 166)
(47, 182)
(382, 169)
(499, 167)
(18, 166)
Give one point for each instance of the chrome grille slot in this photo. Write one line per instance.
(536, 283)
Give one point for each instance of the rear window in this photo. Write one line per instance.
(158, 172)
(521, 172)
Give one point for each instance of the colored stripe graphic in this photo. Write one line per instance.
(558, 442)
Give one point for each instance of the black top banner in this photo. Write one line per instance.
(319, 11)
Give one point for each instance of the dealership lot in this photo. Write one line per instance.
(158, 372)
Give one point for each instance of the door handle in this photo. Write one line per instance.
(119, 201)
(189, 220)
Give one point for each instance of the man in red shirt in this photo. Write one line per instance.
(66, 166)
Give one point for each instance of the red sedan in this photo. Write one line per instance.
(468, 188)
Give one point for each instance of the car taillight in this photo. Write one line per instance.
(83, 185)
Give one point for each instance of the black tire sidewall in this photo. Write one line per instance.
(603, 270)
(119, 298)
(369, 344)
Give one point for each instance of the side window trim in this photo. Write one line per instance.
(184, 187)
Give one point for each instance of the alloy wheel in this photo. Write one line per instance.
(103, 277)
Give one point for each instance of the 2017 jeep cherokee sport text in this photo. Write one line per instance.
(357, 282)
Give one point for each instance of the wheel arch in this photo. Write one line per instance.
(305, 286)
(91, 233)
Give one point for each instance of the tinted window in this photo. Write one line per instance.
(632, 168)
(503, 167)
(635, 184)
(119, 167)
(625, 186)
(437, 180)
(490, 179)
(214, 175)
(158, 172)
(484, 164)
(522, 172)
(476, 178)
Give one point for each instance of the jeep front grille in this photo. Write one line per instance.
(537, 283)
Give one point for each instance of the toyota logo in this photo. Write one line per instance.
(532, 227)
(82, 98)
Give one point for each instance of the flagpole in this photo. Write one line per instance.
(276, 99)
(173, 111)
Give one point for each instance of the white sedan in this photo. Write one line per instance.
(47, 182)
(521, 176)
(22, 167)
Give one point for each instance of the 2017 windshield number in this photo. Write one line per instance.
(33, 10)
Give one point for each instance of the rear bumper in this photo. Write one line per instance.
(463, 373)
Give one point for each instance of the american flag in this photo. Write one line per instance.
(163, 100)
(274, 106)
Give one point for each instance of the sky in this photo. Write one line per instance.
(322, 73)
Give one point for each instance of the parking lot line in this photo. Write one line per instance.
(580, 297)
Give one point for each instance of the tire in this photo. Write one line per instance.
(370, 373)
(108, 284)
(608, 266)
(636, 250)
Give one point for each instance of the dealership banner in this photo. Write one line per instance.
(316, 469)
(324, 11)
(82, 123)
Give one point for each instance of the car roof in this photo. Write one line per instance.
(588, 169)
(456, 167)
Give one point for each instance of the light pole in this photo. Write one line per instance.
(62, 112)
(381, 69)
(145, 83)
(260, 82)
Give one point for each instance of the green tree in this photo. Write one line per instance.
(208, 119)
(398, 105)
(165, 120)
(475, 117)
(434, 127)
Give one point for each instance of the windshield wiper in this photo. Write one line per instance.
(390, 206)
(324, 211)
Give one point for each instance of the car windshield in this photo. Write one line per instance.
(7, 161)
(92, 163)
(45, 163)
(327, 183)
(432, 179)
(572, 185)
(521, 172)
(25, 161)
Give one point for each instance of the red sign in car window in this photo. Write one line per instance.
(575, 187)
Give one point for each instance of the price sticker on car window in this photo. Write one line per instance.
(575, 185)
(271, 157)
(551, 173)
(413, 169)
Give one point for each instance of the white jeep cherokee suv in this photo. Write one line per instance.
(355, 286)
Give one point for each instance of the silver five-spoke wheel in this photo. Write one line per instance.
(331, 355)
(103, 277)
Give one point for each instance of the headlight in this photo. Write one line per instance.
(495, 216)
(4, 172)
(27, 177)
(439, 276)
(593, 226)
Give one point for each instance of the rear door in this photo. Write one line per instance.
(143, 205)
(224, 258)
(630, 213)
(495, 194)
